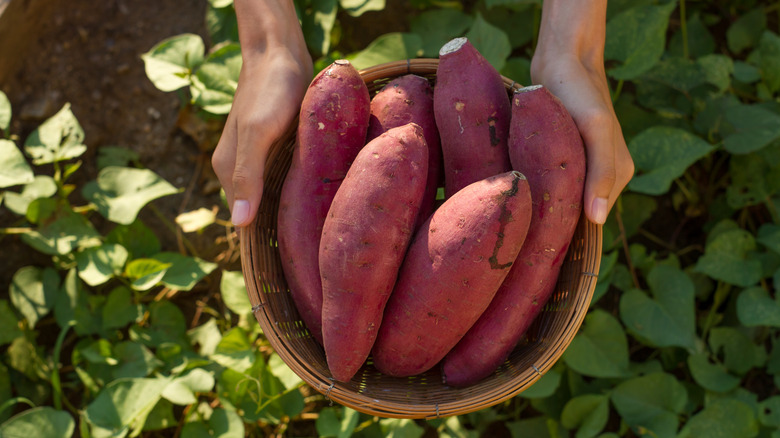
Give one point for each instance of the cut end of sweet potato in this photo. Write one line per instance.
(453, 46)
(342, 62)
(518, 175)
(528, 88)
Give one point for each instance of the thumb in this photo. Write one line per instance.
(598, 197)
(247, 183)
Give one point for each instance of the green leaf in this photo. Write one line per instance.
(756, 308)
(699, 39)
(15, 168)
(216, 80)
(41, 186)
(166, 325)
(121, 192)
(99, 264)
(587, 413)
(33, 292)
(119, 309)
(753, 180)
(717, 70)
(145, 273)
(73, 305)
(386, 48)
(679, 73)
(318, 20)
(746, 30)
(769, 48)
(740, 354)
(235, 351)
(234, 294)
(99, 352)
(9, 324)
(769, 412)
(183, 272)
(222, 24)
(338, 423)
(5, 113)
(636, 37)
(134, 360)
(116, 156)
(196, 220)
(436, 27)
(711, 376)
(161, 417)
(222, 423)
(207, 336)
(59, 138)
(42, 421)
(518, 69)
(356, 8)
(756, 127)
(725, 418)
(545, 386)
(727, 257)
(661, 154)
(652, 402)
(668, 318)
(170, 63)
(492, 42)
(139, 239)
(124, 404)
(283, 372)
(600, 349)
(400, 428)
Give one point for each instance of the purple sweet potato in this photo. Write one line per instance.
(453, 268)
(364, 239)
(473, 112)
(409, 99)
(544, 144)
(331, 131)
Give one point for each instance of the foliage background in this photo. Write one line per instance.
(682, 336)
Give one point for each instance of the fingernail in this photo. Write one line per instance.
(599, 210)
(240, 212)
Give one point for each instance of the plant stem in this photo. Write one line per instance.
(55, 373)
(618, 90)
(16, 400)
(684, 29)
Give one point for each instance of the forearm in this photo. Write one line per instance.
(267, 25)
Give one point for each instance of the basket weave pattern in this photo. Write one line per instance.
(422, 396)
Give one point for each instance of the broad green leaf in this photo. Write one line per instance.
(727, 257)
(653, 403)
(769, 412)
(662, 154)
(223, 423)
(739, 352)
(711, 376)
(386, 48)
(196, 220)
(166, 325)
(725, 418)
(170, 63)
(769, 236)
(636, 37)
(161, 417)
(436, 27)
(518, 69)
(356, 8)
(145, 273)
(492, 42)
(545, 386)
(536, 427)
(59, 138)
(215, 81)
(769, 47)
(234, 294)
(139, 239)
(15, 168)
(124, 404)
(745, 31)
(222, 24)
(700, 41)
(99, 352)
(9, 324)
(41, 186)
(753, 180)
(116, 156)
(679, 73)
(634, 210)
(756, 308)
(668, 318)
(120, 192)
(73, 305)
(99, 264)
(400, 428)
(600, 349)
(717, 70)
(134, 360)
(184, 272)
(5, 113)
(235, 351)
(33, 292)
(119, 309)
(587, 413)
(756, 127)
(178, 394)
(318, 20)
(747, 73)
(338, 423)
(206, 336)
(283, 372)
(43, 421)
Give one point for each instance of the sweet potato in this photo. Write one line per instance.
(544, 144)
(364, 239)
(453, 267)
(472, 111)
(331, 131)
(409, 99)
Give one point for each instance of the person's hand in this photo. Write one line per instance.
(569, 61)
(274, 76)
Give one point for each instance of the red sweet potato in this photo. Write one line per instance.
(364, 239)
(454, 265)
(332, 129)
(472, 111)
(544, 144)
(409, 99)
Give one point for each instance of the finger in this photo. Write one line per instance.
(223, 160)
(247, 177)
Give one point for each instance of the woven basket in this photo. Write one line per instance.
(422, 396)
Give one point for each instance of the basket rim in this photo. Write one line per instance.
(474, 397)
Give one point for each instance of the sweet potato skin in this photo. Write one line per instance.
(473, 112)
(546, 146)
(364, 239)
(452, 269)
(409, 99)
(331, 131)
